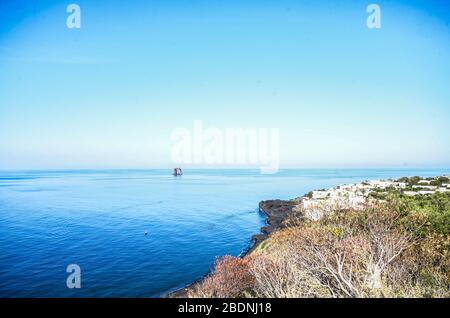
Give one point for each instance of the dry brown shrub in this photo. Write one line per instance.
(369, 252)
(424, 270)
(230, 278)
(347, 253)
(277, 276)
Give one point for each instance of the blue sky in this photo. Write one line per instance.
(109, 95)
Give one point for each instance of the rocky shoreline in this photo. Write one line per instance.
(276, 211)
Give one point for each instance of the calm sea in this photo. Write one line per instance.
(98, 219)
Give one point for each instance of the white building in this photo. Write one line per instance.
(424, 187)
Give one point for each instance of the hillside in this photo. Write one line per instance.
(374, 239)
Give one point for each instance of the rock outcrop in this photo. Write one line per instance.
(276, 211)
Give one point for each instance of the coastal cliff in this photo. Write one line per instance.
(340, 231)
(276, 212)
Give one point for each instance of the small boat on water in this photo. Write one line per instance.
(177, 172)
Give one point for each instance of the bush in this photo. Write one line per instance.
(410, 181)
(230, 278)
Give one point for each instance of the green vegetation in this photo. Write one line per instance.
(410, 181)
(384, 194)
(435, 207)
(433, 181)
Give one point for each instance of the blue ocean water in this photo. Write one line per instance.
(98, 219)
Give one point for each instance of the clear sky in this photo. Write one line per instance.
(109, 95)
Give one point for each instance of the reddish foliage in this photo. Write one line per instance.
(230, 278)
